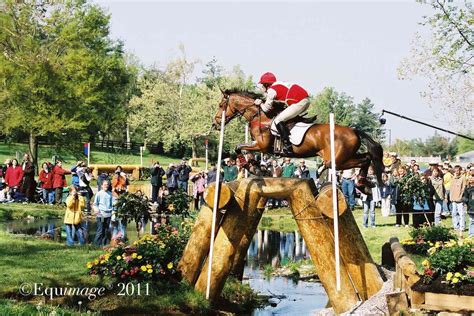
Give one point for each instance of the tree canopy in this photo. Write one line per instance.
(445, 59)
(61, 74)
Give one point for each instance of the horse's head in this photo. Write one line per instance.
(235, 103)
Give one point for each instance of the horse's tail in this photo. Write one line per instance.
(375, 151)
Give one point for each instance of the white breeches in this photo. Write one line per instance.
(292, 111)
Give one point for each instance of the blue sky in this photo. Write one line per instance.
(352, 46)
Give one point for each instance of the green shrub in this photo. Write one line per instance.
(432, 233)
(423, 238)
(452, 259)
(133, 207)
(241, 294)
(177, 203)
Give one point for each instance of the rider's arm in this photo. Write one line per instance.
(267, 106)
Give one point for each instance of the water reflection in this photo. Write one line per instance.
(278, 248)
(54, 229)
(275, 248)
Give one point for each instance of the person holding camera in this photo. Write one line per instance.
(85, 176)
(199, 183)
(157, 174)
(73, 217)
(183, 174)
(119, 182)
(172, 178)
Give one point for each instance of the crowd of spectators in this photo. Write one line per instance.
(447, 189)
(17, 181)
(450, 189)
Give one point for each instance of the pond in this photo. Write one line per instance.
(267, 248)
(277, 248)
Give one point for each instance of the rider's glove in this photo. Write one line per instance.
(258, 101)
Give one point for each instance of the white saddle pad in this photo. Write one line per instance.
(296, 133)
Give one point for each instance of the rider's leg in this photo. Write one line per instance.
(290, 112)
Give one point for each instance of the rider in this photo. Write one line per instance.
(295, 97)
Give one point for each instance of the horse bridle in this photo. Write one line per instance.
(236, 112)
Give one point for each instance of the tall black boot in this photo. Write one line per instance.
(285, 137)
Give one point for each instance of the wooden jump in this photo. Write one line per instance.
(244, 202)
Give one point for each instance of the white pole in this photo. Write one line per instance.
(246, 141)
(88, 153)
(214, 210)
(207, 154)
(334, 203)
(141, 156)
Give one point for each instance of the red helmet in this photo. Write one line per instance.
(268, 77)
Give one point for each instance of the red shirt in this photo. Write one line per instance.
(46, 179)
(289, 93)
(59, 180)
(13, 176)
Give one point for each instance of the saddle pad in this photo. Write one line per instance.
(296, 133)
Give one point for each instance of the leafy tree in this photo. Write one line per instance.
(366, 120)
(401, 147)
(329, 100)
(173, 111)
(445, 59)
(437, 146)
(463, 145)
(60, 73)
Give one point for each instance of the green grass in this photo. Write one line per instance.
(12, 211)
(282, 220)
(15, 308)
(115, 157)
(29, 259)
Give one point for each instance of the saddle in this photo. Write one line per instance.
(297, 126)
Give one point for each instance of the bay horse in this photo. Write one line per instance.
(347, 141)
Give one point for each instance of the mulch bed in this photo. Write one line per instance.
(437, 287)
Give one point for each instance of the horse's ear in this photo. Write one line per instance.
(223, 92)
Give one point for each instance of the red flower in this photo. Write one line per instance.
(429, 272)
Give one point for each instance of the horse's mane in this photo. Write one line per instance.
(250, 94)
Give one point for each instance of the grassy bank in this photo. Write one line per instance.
(31, 260)
(12, 211)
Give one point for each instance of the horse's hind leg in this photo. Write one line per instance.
(361, 161)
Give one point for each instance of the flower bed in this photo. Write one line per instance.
(151, 258)
(449, 268)
(426, 237)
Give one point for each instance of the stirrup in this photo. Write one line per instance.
(287, 150)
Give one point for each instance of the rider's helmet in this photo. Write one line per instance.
(268, 78)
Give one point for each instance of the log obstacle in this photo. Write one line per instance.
(313, 213)
(134, 169)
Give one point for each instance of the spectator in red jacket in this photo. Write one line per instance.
(46, 183)
(13, 177)
(59, 180)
